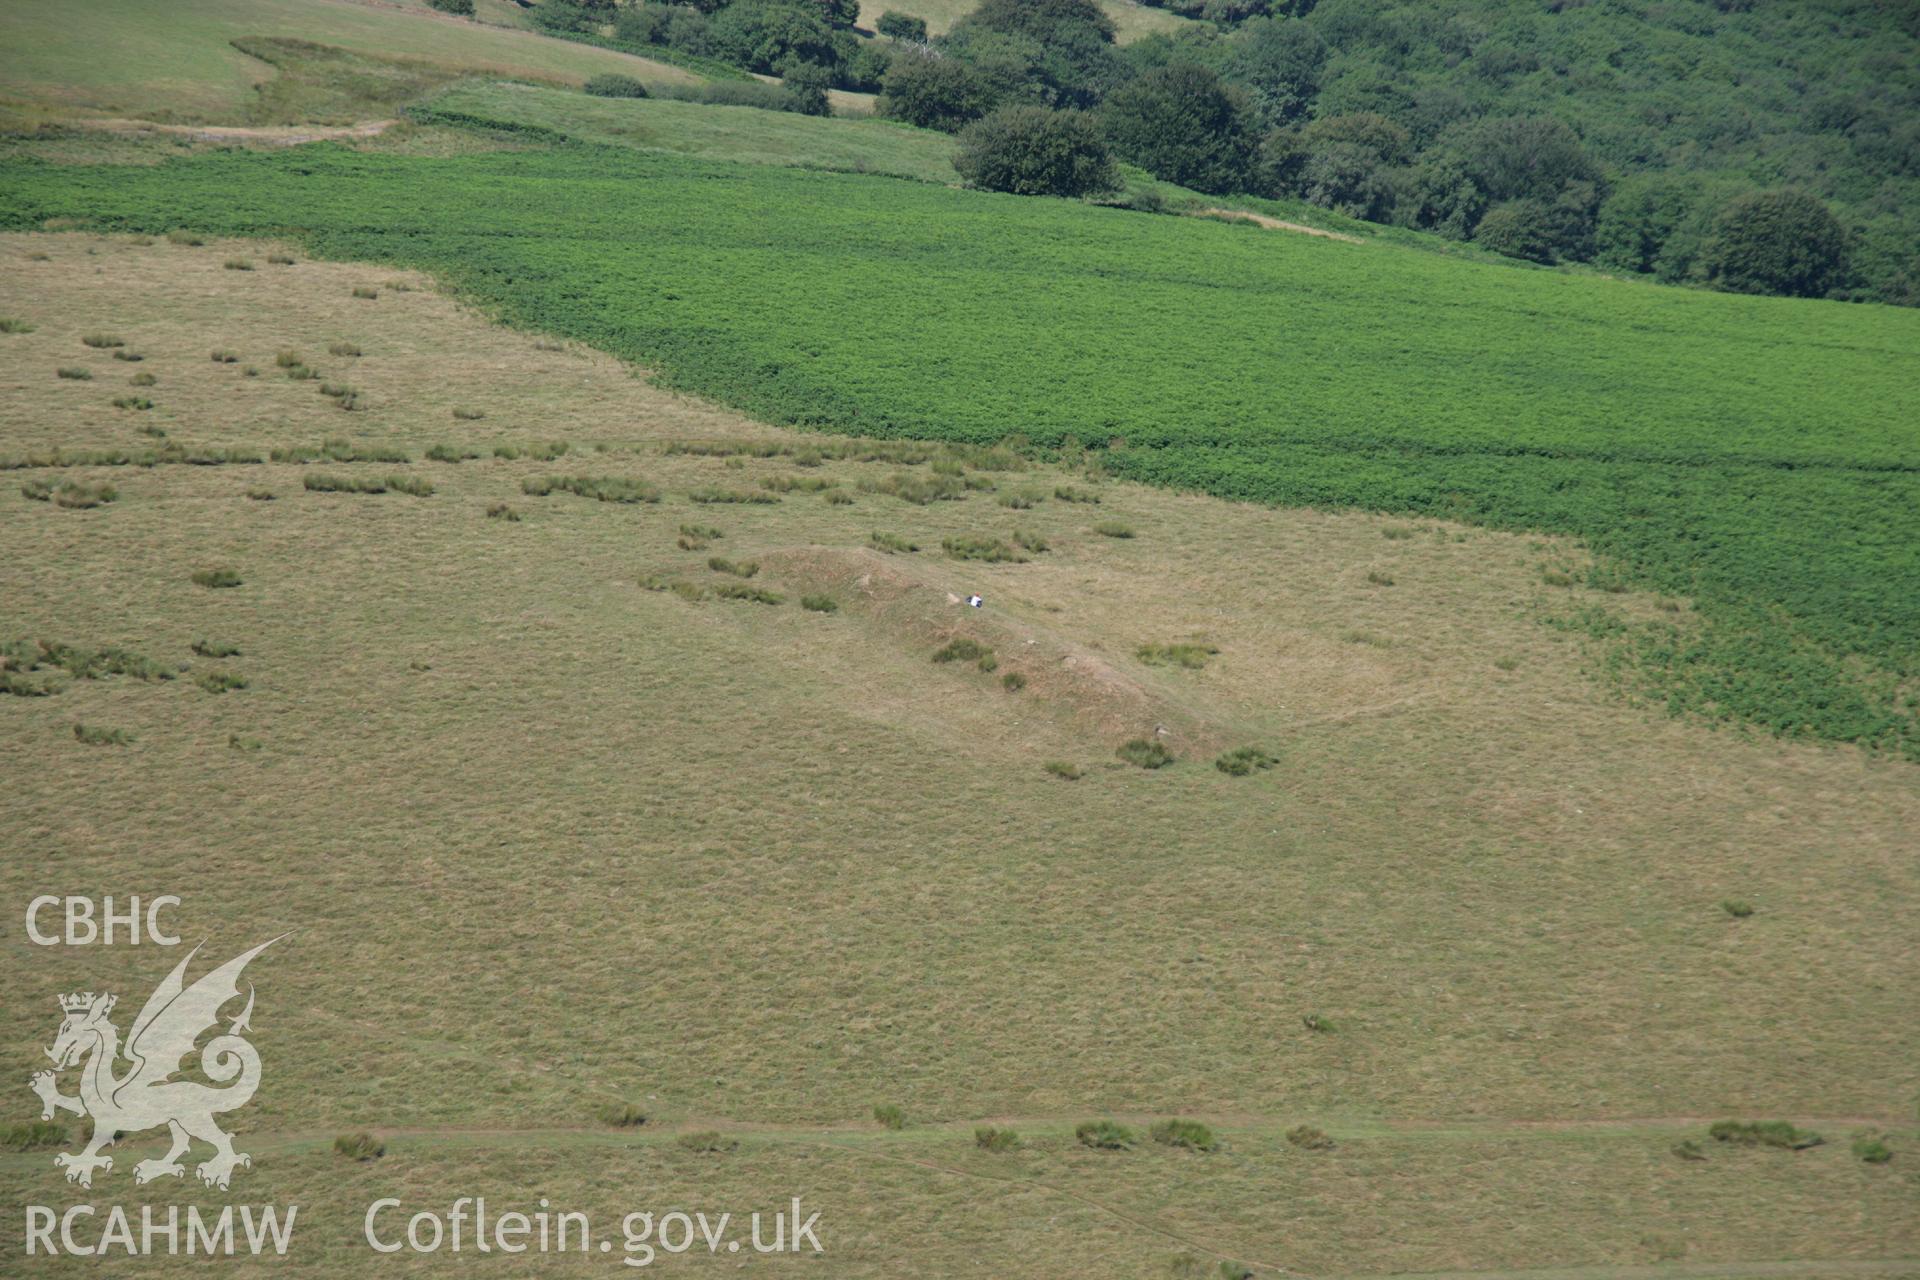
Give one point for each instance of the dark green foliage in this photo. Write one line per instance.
(1104, 1135)
(102, 341)
(1190, 1134)
(220, 681)
(599, 488)
(624, 1115)
(74, 373)
(819, 604)
(892, 544)
(220, 577)
(450, 453)
(1665, 428)
(238, 264)
(901, 26)
(501, 511)
(962, 650)
(1872, 1149)
(1064, 770)
(1033, 151)
(1777, 242)
(739, 569)
(225, 357)
(1113, 529)
(935, 92)
(753, 595)
(131, 357)
(1242, 761)
(1013, 682)
(143, 379)
(1067, 493)
(1146, 753)
(94, 736)
(991, 550)
(1316, 1022)
(459, 8)
(215, 649)
(364, 1147)
(1688, 1149)
(1180, 123)
(988, 1138)
(1738, 908)
(9, 324)
(1190, 655)
(1763, 1133)
(1308, 1138)
(1057, 51)
(889, 1116)
(614, 86)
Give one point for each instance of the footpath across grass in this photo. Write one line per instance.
(1755, 455)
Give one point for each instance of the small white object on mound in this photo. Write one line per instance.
(975, 601)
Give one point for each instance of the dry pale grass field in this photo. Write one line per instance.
(552, 841)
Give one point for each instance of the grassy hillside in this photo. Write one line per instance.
(556, 841)
(744, 134)
(1755, 455)
(176, 62)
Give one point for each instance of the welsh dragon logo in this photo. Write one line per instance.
(147, 1095)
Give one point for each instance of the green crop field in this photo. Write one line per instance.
(1675, 431)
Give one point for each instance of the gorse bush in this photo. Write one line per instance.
(1763, 1133)
(738, 568)
(600, 488)
(988, 1138)
(1146, 753)
(361, 1147)
(991, 550)
(102, 341)
(819, 604)
(889, 1116)
(1190, 1134)
(705, 1141)
(1308, 1138)
(753, 595)
(892, 544)
(215, 649)
(1104, 1135)
(1242, 761)
(93, 736)
(1113, 529)
(218, 577)
(961, 650)
(711, 495)
(1190, 655)
(74, 373)
(220, 681)
(1063, 770)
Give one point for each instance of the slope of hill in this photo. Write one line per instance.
(1673, 429)
(744, 134)
(177, 62)
(570, 820)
